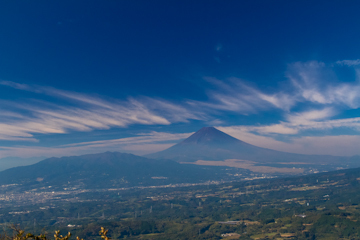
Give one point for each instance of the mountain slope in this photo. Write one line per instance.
(211, 144)
(10, 162)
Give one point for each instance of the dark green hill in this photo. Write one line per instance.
(105, 170)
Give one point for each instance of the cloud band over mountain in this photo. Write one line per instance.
(313, 103)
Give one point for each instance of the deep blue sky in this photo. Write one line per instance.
(279, 74)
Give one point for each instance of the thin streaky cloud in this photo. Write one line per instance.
(142, 138)
(303, 118)
(341, 145)
(349, 62)
(143, 143)
(314, 120)
(312, 83)
(236, 96)
(19, 86)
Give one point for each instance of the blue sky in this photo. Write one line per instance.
(138, 76)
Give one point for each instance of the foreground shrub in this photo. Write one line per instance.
(19, 234)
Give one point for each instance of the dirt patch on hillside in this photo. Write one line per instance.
(245, 164)
(295, 163)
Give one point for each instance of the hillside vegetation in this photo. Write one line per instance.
(318, 206)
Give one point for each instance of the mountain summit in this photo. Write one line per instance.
(209, 135)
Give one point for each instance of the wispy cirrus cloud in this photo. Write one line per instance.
(236, 96)
(317, 83)
(313, 83)
(82, 113)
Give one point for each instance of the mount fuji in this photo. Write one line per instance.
(211, 144)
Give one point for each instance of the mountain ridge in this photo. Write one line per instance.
(210, 135)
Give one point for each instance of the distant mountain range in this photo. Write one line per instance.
(211, 144)
(114, 169)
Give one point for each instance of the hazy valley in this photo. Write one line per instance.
(204, 187)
